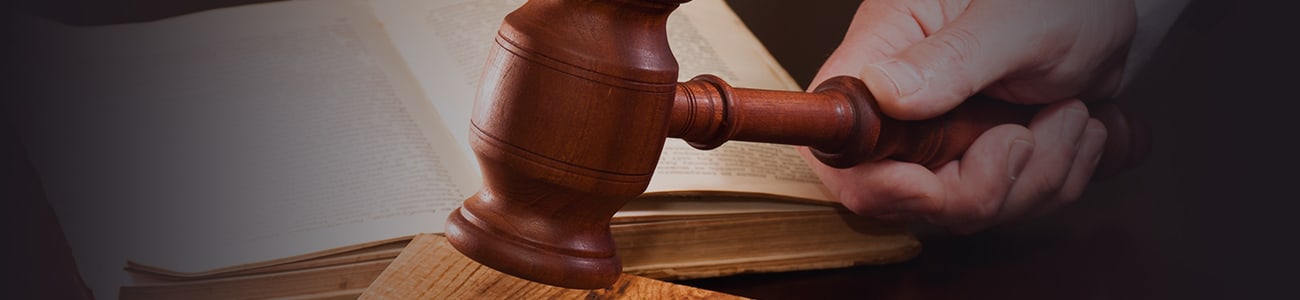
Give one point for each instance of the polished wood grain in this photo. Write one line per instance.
(429, 268)
(567, 127)
(842, 124)
(575, 103)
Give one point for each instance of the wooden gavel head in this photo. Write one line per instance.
(578, 97)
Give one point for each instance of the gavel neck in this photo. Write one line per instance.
(842, 124)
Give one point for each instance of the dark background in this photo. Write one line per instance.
(1211, 215)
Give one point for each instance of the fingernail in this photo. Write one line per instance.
(1076, 118)
(1097, 140)
(1019, 157)
(1096, 158)
(901, 75)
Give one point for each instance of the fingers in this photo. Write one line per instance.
(1009, 172)
(980, 183)
(959, 193)
(883, 187)
(1090, 150)
(938, 72)
(1068, 145)
(1058, 129)
(920, 59)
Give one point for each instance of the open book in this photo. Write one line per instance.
(265, 150)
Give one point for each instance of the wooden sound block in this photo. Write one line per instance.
(429, 268)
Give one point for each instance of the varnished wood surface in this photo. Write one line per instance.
(429, 268)
(842, 124)
(568, 124)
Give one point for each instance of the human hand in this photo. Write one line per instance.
(922, 58)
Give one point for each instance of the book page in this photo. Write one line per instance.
(705, 36)
(445, 43)
(236, 136)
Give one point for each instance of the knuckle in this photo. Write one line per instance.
(859, 206)
(869, 202)
(987, 208)
(958, 43)
(953, 50)
(855, 201)
(973, 210)
(1066, 196)
(1041, 187)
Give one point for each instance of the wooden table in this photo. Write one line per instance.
(1199, 220)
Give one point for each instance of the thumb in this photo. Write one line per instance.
(937, 73)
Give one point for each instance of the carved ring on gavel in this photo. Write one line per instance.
(578, 97)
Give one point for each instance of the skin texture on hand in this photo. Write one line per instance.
(922, 58)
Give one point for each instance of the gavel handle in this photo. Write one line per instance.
(842, 124)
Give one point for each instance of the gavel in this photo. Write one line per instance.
(578, 97)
